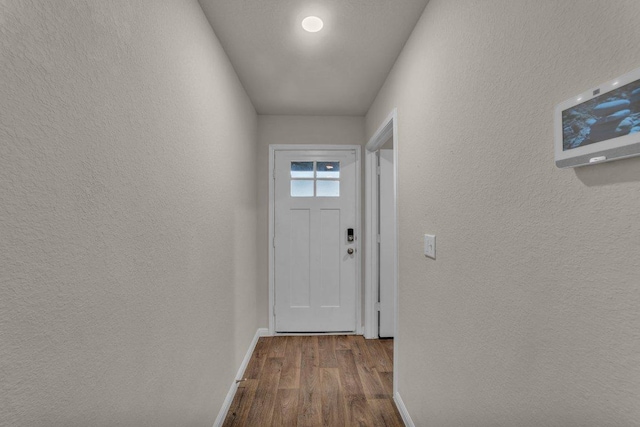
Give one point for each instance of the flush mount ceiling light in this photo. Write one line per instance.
(312, 24)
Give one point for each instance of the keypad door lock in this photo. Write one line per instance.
(350, 235)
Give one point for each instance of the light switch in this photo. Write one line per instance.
(430, 246)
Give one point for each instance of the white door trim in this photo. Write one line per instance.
(359, 231)
(371, 245)
(388, 129)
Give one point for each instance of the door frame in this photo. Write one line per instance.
(388, 129)
(272, 215)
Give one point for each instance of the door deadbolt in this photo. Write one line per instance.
(350, 251)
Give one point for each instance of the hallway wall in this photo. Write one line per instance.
(127, 215)
(291, 130)
(529, 315)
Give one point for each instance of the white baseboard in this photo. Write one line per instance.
(262, 332)
(403, 411)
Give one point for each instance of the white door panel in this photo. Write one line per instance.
(330, 251)
(300, 256)
(315, 276)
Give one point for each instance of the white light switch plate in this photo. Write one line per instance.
(430, 245)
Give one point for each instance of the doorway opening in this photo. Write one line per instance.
(381, 218)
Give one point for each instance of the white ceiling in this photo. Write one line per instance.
(337, 71)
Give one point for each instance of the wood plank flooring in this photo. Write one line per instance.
(326, 380)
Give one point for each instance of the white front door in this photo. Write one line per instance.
(315, 260)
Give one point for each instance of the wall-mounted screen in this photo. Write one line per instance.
(600, 125)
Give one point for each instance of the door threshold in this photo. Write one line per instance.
(314, 333)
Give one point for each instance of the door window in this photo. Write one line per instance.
(315, 179)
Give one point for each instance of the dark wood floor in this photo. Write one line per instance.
(317, 381)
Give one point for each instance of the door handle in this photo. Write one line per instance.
(350, 251)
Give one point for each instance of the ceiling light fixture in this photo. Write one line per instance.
(312, 24)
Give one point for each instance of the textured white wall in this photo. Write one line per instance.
(530, 314)
(127, 215)
(291, 130)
